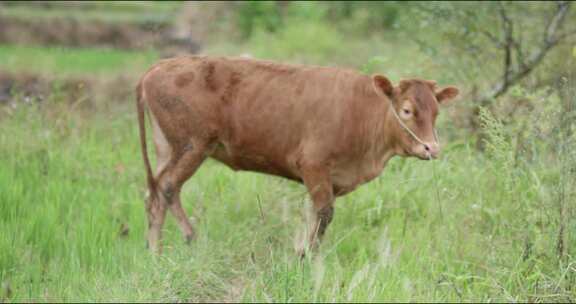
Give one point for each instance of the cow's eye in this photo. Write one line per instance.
(406, 112)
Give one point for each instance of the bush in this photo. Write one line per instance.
(262, 15)
(301, 41)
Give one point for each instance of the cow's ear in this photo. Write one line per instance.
(383, 85)
(446, 94)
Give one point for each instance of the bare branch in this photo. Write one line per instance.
(520, 58)
(549, 40)
(556, 22)
(508, 43)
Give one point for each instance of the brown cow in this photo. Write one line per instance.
(331, 129)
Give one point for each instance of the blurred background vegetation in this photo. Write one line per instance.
(67, 75)
(485, 48)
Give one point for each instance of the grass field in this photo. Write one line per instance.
(470, 226)
(73, 225)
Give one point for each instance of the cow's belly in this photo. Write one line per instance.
(254, 162)
(346, 176)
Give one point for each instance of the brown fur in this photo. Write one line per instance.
(328, 128)
(184, 79)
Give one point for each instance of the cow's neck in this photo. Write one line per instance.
(374, 144)
(385, 143)
(374, 132)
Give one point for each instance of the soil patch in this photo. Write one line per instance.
(15, 88)
(71, 32)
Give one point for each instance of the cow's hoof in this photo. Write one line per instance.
(301, 253)
(189, 238)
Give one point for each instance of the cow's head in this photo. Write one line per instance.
(416, 103)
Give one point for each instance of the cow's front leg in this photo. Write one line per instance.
(319, 185)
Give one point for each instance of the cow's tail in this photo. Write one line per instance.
(140, 105)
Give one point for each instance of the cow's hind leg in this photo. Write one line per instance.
(156, 210)
(173, 177)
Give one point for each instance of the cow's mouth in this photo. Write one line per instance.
(422, 156)
(427, 156)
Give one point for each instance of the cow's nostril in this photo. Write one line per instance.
(427, 148)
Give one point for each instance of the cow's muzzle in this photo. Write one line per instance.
(427, 151)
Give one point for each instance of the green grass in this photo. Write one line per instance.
(62, 62)
(69, 182)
